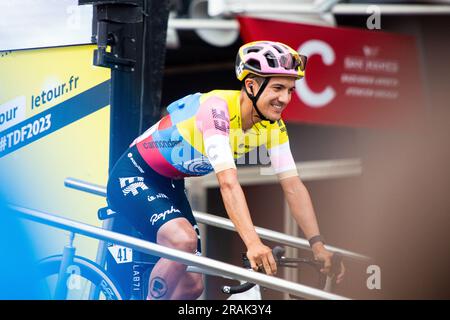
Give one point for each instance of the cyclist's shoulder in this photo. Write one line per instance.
(224, 102)
(229, 97)
(191, 103)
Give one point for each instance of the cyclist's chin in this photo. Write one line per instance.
(274, 116)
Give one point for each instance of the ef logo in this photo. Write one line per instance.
(374, 280)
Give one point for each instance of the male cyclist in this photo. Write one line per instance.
(204, 133)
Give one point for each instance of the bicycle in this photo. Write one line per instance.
(69, 276)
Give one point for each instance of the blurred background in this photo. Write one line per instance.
(368, 126)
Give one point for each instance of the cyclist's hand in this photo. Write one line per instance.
(340, 276)
(260, 256)
(323, 255)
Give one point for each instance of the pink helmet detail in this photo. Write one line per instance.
(269, 58)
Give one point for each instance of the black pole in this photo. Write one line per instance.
(131, 39)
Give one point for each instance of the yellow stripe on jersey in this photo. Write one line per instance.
(261, 133)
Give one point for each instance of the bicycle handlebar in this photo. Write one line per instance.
(280, 260)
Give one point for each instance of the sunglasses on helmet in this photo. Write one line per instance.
(295, 62)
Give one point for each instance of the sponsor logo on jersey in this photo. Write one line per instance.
(154, 218)
(158, 196)
(132, 184)
(221, 121)
(161, 144)
(130, 156)
(198, 166)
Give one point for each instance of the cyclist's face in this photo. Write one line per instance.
(276, 97)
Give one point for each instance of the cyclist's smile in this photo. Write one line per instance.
(278, 106)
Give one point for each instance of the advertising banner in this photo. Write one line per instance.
(54, 124)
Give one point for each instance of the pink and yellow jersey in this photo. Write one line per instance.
(203, 133)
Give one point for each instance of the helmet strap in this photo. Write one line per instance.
(254, 99)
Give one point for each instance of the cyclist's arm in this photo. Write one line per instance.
(213, 121)
(301, 208)
(237, 209)
(296, 194)
(300, 205)
(236, 206)
(219, 153)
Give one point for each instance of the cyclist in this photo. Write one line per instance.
(205, 132)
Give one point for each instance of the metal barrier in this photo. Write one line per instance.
(224, 223)
(208, 264)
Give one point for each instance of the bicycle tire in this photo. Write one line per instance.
(88, 270)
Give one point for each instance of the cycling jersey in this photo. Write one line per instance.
(200, 133)
(203, 132)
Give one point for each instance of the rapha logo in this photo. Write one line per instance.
(162, 215)
(132, 184)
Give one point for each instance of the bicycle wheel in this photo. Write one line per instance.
(84, 276)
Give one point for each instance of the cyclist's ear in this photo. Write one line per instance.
(250, 85)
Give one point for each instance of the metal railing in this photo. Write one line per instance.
(207, 264)
(224, 223)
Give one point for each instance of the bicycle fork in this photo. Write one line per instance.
(65, 270)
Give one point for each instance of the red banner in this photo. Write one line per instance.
(354, 77)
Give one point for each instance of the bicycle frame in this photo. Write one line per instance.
(101, 255)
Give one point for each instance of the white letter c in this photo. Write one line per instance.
(306, 95)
